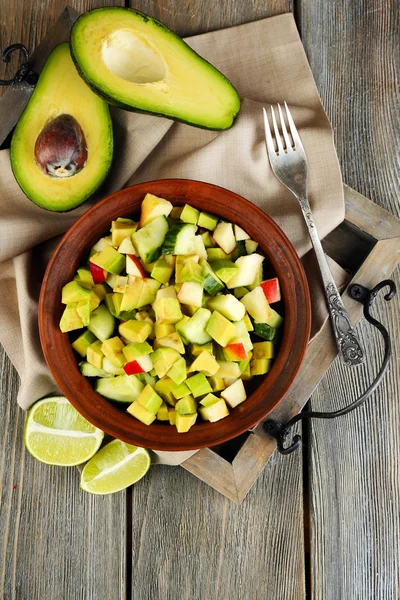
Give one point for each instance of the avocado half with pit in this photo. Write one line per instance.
(62, 146)
(136, 63)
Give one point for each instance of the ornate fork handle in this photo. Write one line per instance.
(348, 344)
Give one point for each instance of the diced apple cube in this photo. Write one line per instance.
(234, 394)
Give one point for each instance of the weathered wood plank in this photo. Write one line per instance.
(55, 540)
(188, 541)
(198, 16)
(191, 543)
(353, 51)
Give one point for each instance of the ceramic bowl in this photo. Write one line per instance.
(265, 391)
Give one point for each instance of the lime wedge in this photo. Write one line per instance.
(56, 434)
(116, 466)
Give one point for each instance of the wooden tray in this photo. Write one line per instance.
(367, 244)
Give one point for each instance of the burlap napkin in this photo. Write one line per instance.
(266, 62)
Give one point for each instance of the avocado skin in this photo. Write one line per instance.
(107, 162)
(111, 100)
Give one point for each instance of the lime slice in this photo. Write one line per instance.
(56, 434)
(116, 466)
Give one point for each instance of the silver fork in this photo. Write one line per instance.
(289, 163)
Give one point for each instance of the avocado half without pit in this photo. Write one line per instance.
(136, 63)
(62, 147)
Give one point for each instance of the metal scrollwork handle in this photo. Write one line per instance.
(346, 339)
(24, 72)
(280, 431)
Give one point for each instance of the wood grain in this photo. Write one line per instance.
(55, 540)
(190, 17)
(354, 55)
(191, 543)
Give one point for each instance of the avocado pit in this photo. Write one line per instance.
(131, 57)
(61, 149)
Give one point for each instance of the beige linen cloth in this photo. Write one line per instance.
(266, 62)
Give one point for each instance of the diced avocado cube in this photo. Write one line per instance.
(149, 399)
(163, 359)
(260, 366)
(197, 349)
(110, 260)
(184, 422)
(85, 277)
(198, 385)
(215, 411)
(244, 363)
(172, 415)
(112, 349)
(100, 290)
(121, 230)
(239, 292)
(74, 292)
(164, 388)
(181, 390)
(207, 240)
(263, 350)
(163, 329)
(83, 310)
(70, 319)
(224, 269)
(162, 271)
(180, 262)
(148, 292)
(209, 400)
(206, 363)
(214, 254)
(168, 310)
(186, 405)
(172, 340)
(192, 272)
(246, 373)
(189, 214)
(82, 343)
(248, 323)
(135, 350)
(234, 394)
(176, 212)
(95, 355)
(220, 329)
(207, 221)
(162, 413)
(274, 320)
(217, 383)
(135, 331)
(251, 246)
(178, 371)
(141, 413)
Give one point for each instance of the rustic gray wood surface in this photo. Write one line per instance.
(328, 531)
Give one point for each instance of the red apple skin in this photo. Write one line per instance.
(238, 350)
(133, 368)
(138, 265)
(271, 290)
(98, 274)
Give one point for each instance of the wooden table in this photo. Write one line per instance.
(323, 523)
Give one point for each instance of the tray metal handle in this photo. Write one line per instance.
(280, 431)
(24, 72)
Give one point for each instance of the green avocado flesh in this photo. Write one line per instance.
(137, 63)
(60, 91)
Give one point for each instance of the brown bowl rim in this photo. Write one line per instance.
(96, 409)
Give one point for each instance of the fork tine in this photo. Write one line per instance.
(277, 134)
(284, 130)
(268, 135)
(293, 130)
